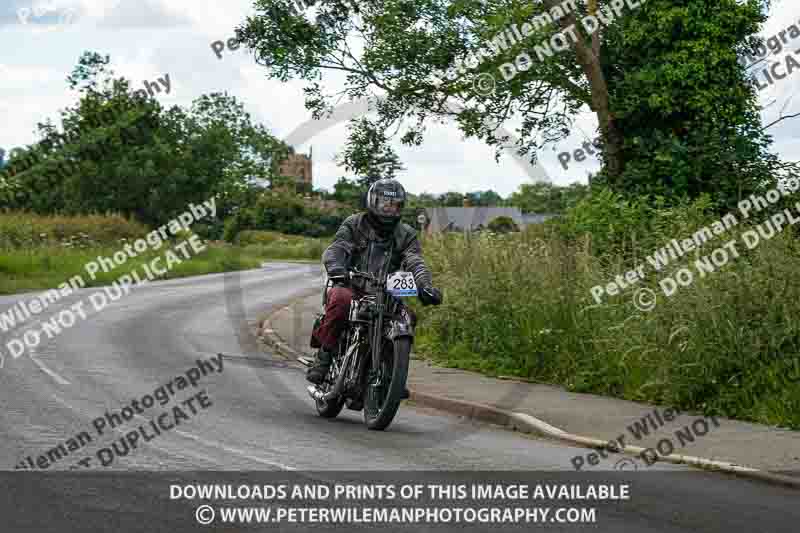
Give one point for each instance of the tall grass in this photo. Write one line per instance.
(521, 304)
(47, 267)
(26, 230)
(281, 246)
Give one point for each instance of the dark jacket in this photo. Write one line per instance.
(359, 245)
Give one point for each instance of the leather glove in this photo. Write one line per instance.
(430, 296)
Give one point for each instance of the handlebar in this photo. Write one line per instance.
(355, 274)
(363, 275)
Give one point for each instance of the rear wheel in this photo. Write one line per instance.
(384, 390)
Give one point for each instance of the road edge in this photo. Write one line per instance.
(270, 337)
(523, 422)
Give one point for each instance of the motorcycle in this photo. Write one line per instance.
(370, 363)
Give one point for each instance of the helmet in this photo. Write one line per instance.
(385, 201)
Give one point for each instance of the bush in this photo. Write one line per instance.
(502, 225)
(283, 213)
(25, 230)
(619, 225)
(209, 231)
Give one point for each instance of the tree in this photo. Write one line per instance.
(547, 197)
(388, 164)
(280, 182)
(368, 154)
(451, 199)
(423, 200)
(654, 76)
(348, 192)
(669, 69)
(537, 198)
(117, 151)
(8, 186)
(502, 225)
(485, 198)
(572, 194)
(283, 212)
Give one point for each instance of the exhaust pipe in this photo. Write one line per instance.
(317, 394)
(337, 388)
(334, 393)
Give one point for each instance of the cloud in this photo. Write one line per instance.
(25, 76)
(143, 14)
(9, 11)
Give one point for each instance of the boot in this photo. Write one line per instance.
(316, 374)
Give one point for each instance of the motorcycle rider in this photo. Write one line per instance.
(363, 242)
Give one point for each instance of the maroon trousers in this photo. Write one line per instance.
(337, 308)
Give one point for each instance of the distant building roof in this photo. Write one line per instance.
(470, 218)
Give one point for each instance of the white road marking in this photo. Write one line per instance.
(32, 354)
(236, 451)
(56, 377)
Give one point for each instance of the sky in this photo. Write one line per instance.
(41, 42)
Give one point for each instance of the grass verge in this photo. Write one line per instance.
(47, 267)
(521, 305)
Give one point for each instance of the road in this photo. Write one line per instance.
(254, 415)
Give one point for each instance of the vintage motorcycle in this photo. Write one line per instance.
(370, 363)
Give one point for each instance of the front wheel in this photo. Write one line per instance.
(384, 391)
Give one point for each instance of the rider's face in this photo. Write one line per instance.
(388, 206)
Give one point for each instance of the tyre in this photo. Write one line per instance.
(381, 402)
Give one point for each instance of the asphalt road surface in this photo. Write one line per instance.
(253, 414)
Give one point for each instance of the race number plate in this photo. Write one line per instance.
(401, 284)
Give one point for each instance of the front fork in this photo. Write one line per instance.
(377, 340)
(401, 325)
